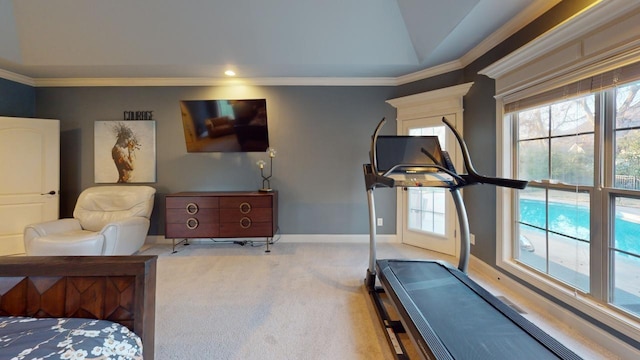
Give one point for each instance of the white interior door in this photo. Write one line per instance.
(428, 214)
(30, 180)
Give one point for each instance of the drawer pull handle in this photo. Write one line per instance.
(245, 223)
(245, 208)
(192, 208)
(192, 223)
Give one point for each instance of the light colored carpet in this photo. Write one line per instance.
(301, 301)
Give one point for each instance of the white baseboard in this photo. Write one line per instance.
(293, 238)
(336, 238)
(585, 328)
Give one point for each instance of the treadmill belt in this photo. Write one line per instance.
(467, 325)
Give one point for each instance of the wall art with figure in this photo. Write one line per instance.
(125, 151)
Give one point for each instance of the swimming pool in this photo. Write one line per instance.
(573, 220)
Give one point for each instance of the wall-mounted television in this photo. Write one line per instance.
(225, 125)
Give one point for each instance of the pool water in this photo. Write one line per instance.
(573, 220)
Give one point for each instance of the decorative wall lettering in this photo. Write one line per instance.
(138, 115)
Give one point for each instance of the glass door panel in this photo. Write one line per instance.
(429, 219)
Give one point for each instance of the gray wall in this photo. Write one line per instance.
(17, 99)
(321, 135)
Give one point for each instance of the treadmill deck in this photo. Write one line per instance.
(456, 318)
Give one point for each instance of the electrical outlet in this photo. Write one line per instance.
(379, 221)
(472, 239)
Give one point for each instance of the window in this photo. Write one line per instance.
(577, 221)
(427, 207)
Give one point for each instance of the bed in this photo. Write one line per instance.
(67, 307)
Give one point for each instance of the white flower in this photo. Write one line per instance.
(25, 352)
(108, 329)
(107, 352)
(96, 351)
(110, 342)
(64, 343)
(91, 333)
(74, 355)
(77, 332)
(123, 348)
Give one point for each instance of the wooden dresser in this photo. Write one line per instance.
(239, 214)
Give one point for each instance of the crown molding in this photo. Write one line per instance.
(532, 12)
(194, 81)
(589, 19)
(8, 75)
(430, 72)
(431, 96)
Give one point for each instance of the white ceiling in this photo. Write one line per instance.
(43, 39)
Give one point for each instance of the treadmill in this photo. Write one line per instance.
(445, 313)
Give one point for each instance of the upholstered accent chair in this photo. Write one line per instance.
(107, 220)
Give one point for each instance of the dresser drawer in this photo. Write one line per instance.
(246, 229)
(201, 202)
(242, 202)
(201, 230)
(180, 216)
(256, 215)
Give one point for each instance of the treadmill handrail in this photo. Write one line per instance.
(472, 176)
(374, 139)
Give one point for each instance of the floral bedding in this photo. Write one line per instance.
(24, 338)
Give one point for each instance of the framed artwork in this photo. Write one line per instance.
(125, 151)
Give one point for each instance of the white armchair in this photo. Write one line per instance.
(107, 220)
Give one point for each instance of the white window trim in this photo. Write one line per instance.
(596, 40)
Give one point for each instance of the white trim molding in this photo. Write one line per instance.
(532, 12)
(604, 33)
(430, 72)
(281, 81)
(431, 103)
(11, 76)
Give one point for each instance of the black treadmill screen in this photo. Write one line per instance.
(408, 150)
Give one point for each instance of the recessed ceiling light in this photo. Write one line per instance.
(230, 73)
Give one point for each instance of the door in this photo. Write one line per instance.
(30, 181)
(429, 218)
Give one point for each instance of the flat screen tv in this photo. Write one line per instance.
(225, 125)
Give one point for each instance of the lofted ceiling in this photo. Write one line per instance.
(44, 39)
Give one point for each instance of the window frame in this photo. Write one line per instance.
(597, 302)
(594, 192)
